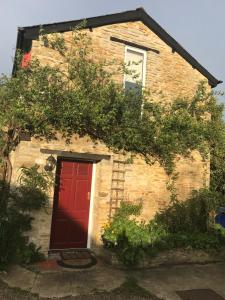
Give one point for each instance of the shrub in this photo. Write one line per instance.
(125, 235)
(30, 254)
(188, 224)
(193, 215)
(15, 207)
(187, 240)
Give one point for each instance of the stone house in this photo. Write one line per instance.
(91, 180)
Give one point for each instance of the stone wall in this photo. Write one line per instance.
(28, 153)
(142, 183)
(167, 72)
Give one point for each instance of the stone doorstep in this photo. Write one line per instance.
(50, 265)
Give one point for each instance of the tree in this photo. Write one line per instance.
(79, 96)
(217, 150)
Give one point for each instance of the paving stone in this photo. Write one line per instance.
(46, 285)
(19, 277)
(83, 282)
(165, 281)
(109, 280)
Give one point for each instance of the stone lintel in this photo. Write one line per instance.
(76, 155)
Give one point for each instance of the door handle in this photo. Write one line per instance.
(89, 196)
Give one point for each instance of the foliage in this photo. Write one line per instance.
(196, 214)
(33, 185)
(16, 204)
(189, 224)
(217, 153)
(188, 240)
(80, 96)
(171, 187)
(25, 104)
(30, 253)
(126, 235)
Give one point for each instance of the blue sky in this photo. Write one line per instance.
(198, 25)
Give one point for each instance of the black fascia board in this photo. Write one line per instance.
(176, 47)
(32, 32)
(22, 44)
(128, 16)
(19, 45)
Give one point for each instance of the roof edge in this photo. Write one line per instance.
(32, 32)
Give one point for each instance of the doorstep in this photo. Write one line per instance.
(54, 263)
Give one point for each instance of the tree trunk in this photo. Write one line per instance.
(11, 140)
(8, 172)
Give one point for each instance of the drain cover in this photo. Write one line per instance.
(201, 294)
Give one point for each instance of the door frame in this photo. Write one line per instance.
(91, 207)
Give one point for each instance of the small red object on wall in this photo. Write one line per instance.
(26, 59)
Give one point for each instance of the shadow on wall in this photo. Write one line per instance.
(68, 230)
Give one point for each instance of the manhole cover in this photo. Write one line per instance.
(201, 294)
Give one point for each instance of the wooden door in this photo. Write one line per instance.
(71, 205)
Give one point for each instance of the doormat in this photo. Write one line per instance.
(201, 294)
(77, 259)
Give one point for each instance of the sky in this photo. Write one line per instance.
(198, 25)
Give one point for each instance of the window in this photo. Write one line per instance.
(135, 60)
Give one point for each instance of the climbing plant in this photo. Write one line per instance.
(79, 95)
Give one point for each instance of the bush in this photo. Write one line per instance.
(193, 215)
(30, 254)
(187, 240)
(125, 235)
(188, 224)
(15, 207)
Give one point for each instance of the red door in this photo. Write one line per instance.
(71, 205)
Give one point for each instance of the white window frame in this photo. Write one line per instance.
(144, 71)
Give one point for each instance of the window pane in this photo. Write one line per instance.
(134, 81)
(134, 62)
